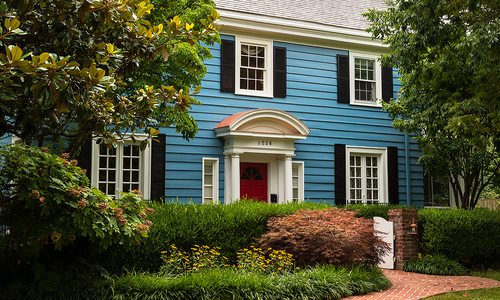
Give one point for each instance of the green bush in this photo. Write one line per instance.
(230, 227)
(325, 282)
(370, 211)
(470, 237)
(434, 265)
(46, 203)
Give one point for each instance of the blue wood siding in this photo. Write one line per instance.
(311, 97)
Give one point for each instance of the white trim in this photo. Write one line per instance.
(300, 165)
(237, 21)
(215, 179)
(268, 65)
(144, 165)
(383, 183)
(378, 79)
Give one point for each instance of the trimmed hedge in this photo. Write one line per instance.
(230, 227)
(370, 211)
(325, 282)
(471, 237)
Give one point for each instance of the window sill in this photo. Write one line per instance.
(367, 103)
(253, 94)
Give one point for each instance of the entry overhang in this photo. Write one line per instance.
(263, 123)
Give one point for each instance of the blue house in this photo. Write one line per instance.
(291, 111)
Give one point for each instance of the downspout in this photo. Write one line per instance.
(407, 171)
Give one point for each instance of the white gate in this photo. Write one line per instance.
(385, 230)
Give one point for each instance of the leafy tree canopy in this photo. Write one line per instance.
(448, 55)
(82, 68)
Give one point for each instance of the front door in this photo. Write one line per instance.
(253, 181)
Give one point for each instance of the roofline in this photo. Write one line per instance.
(240, 21)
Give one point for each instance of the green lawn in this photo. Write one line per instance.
(491, 293)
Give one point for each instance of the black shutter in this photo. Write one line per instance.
(343, 92)
(85, 158)
(158, 167)
(340, 183)
(392, 166)
(279, 72)
(227, 67)
(387, 84)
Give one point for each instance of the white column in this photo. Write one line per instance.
(288, 179)
(235, 177)
(227, 179)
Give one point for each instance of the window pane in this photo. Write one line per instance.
(126, 163)
(243, 84)
(244, 61)
(102, 175)
(135, 163)
(208, 191)
(126, 176)
(111, 189)
(135, 176)
(111, 175)
(112, 162)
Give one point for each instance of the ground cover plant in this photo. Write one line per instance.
(434, 265)
(328, 236)
(321, 282)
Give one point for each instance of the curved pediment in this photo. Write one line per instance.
(268, 122)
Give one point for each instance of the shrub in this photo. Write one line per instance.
(229, 227)
(434, 265)
(372, 210)
(45, 201)
(471, 237)
(329, 236)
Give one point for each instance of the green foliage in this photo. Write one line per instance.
(230, 227)
(448, 55)
(470, 237)
(370, 211)
(45, 201)
(434, 265)
(325, 282)
(325, 236)
(73, 69)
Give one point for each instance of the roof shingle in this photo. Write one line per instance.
(341, 13)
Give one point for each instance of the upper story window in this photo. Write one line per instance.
(254, 72)
(365, 79)
(122, 168)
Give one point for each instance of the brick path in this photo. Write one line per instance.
(406, 286)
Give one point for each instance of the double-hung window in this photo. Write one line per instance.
(366, 79)
(254, 61)
(121, 168)
(210, 185)
(366, 173)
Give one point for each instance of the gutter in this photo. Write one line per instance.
(407, 172)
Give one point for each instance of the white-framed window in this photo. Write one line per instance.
(365, 79)
(366, 175)
(254, 67)
(121, 168)
(297, 180)
(210, 180)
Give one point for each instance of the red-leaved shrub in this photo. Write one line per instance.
(327, 236)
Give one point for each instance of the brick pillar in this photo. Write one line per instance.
(406, 242)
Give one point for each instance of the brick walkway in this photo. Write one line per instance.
(406, 286)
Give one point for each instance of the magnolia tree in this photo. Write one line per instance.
(74, 69)
(448, 55)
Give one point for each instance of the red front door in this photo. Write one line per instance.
(253, 181)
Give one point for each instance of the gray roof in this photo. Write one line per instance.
(342, 13)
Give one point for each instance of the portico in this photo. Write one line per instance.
(258, 149)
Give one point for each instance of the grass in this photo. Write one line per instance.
(321, 282)
(490, 293)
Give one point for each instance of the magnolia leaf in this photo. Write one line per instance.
(110, 48)
(14, 53)
(43, 57)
